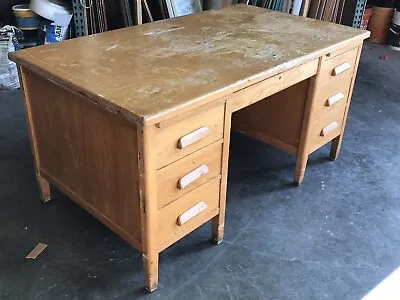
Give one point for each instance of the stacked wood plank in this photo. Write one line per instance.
(279, 5)
(326, 10)
(94, 13)
(96, 17)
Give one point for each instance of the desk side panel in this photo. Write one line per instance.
(88, 153)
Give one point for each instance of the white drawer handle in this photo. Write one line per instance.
(192, 176)
(191, 213)
(334, 99)
(193, 137)
(328, 129)
(341, 68)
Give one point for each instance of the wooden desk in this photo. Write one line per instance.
(134, 124)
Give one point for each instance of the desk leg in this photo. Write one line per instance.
(44, 188)
(150, 267)
(148, 204)
(300, 169)
(302, 150)
(335, 147)
(218, 222)
(43, 184)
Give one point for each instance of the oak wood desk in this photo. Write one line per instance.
(134, 124)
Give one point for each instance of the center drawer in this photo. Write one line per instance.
(188, 173)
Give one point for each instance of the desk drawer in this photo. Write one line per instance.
(330, 97)
(188, 173)
(326, 128)
(188, 212)
(179, 139)
(339, 68)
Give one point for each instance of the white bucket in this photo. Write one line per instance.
(396, 17)
(54, 10)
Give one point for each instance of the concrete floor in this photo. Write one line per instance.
(335, 237)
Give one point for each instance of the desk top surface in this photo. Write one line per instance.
(147, 71)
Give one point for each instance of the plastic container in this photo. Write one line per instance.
(379, 23)
(396, 17)
(26, 19)
(394, 32)
(365, 19)
(53, 10)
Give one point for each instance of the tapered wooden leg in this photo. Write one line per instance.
(44, 188)
(300, 170)
(335, 147)
(303, 147)
(150, 267)
(147, 161)
(217, 224)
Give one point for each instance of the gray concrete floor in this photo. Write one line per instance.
(335, 237)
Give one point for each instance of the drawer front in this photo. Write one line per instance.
(330, 97)
(188, 212)
(339, 68)
(186, 174)
(186, 136)
(327, 128)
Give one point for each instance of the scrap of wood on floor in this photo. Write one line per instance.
(39, 248)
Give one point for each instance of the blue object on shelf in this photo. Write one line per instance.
(54, 33)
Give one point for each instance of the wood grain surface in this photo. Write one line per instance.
(146, 72)
(88, 152)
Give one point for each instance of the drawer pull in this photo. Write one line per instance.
(193, 137)
(328, 129)
(341, 68)
(334, 99)
(191, 213)
(192, 176)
